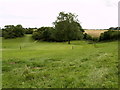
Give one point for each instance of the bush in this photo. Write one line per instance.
(36, 36)
(95, 39)
(50, 34)
(11, 31)
(87, 37)
(110, 35)
(0, 32)
(29, 30)
(44, 34)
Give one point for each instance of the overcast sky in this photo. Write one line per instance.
(92, 14)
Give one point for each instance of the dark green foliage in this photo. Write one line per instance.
(66, 32)
(114, 28)
(44, 33)
(67, 27)
(29, 30)
(87, 37)
(90, 38)
(11, 31)
(110, 35)
(95, 39)
(0, 32)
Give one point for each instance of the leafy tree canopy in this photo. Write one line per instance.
(67, 27)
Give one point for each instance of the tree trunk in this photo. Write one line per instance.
(68, 41)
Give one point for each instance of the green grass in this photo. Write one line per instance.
(57, 65)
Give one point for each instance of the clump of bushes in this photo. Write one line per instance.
(109, 35)
(11, 31)
(0, 32)
(106, 36)
(51, 34)
(90, 38)
(87, 36)
(44, 34)
(29, 30)
(95, 39)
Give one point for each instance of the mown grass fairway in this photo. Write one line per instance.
(59, 65)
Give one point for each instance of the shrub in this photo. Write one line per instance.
(95, 39)
(29, 30)
(87, 37)
(44, 34)
(11, 31)
(109, 35)
(0, 32)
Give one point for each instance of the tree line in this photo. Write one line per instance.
(12, 31)
(66, 28)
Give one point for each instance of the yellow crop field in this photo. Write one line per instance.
(95, 33)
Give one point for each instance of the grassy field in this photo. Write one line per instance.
(32, 64)
(95, 33)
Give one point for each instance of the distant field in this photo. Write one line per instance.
(58, 65)
(95, 33)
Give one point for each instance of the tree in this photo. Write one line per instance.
(11, 31)
(67, 27)
(44, 34)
